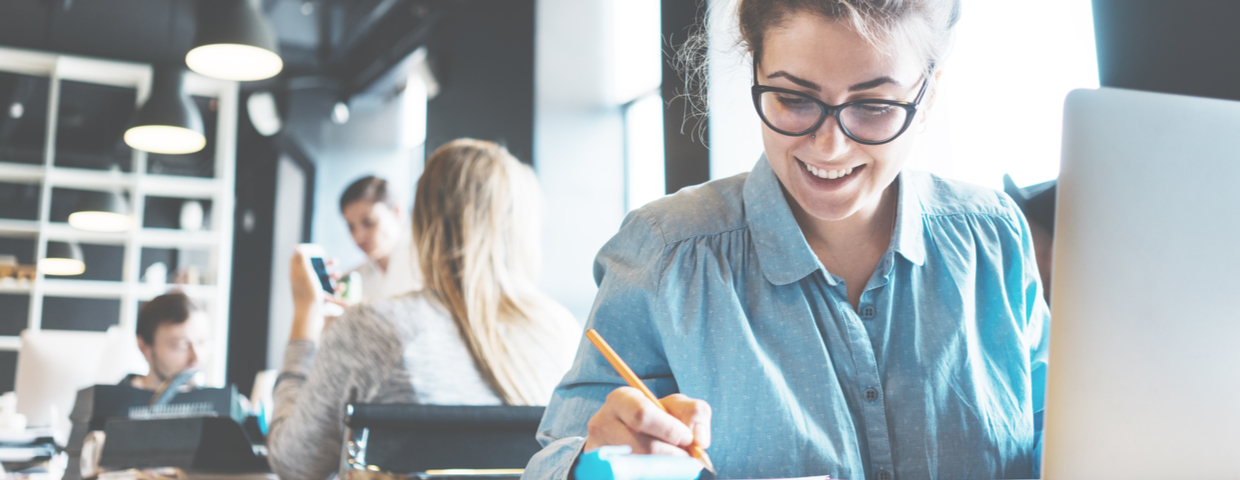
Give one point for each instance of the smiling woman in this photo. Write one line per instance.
(848, 316)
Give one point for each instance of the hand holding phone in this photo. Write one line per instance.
(318, 266)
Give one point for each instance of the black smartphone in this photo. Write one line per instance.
(320, 269)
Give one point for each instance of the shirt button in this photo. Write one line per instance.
(871, 394)
(867, 312)
(884, 475)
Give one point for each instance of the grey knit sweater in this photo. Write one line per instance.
(405, 349)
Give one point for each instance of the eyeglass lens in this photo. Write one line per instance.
(796, 114)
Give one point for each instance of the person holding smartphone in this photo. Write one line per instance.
(479, 333)
(376, 225)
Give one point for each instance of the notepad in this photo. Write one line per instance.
(618, 463)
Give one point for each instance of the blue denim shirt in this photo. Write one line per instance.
(714, 293)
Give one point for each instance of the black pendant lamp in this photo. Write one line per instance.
(62, 258)
(234, 42)
(101, 212)
(169, 122)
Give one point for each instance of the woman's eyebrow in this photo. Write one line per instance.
(873, 84)
(877, 82)
(794, 79)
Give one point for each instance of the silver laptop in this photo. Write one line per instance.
(1144, 377)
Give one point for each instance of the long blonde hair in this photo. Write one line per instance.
(476, 220)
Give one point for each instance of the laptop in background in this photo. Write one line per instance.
(1144, 375)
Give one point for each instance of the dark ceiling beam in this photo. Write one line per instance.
(385, 37)
(363, 28)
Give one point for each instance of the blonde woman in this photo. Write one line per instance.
(479, 333)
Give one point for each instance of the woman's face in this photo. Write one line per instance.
(375, 227)
(827, 60)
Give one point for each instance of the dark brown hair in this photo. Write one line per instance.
(370, 188)
(172, 307)
(881, 22)
(926, 26)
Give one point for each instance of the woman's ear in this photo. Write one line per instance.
(929, 102)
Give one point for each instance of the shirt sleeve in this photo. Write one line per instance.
(627, 271)
(1031, 306)
(307, 428)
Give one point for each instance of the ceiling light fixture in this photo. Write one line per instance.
(169, 122)
(63, 258)
(234, 42)
(101, 212)
(264, 114)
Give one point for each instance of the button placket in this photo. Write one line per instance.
(874, 415)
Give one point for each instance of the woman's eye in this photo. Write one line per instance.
(791, 101)
(873, 110)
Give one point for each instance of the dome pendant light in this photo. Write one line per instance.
(169, 122)
(101, 212)
(63, 258)
(234, 42)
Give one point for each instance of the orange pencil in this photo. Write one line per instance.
(630, 377)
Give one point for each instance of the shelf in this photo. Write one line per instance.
(170, 238)
(147, 237)
(180, 187)
(24, 228)
(81, 178)
(198, 292)
(10, 343)
(21, 172)
(82, 288)
(15, 288)
(65, 232)
(60, 287)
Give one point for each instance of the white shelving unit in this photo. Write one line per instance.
(215, 239)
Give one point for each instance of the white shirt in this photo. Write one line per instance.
(403, 274)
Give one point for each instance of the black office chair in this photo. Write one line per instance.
(409, 440)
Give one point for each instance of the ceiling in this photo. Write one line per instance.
(361, 35)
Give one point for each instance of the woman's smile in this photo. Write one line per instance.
(830, 178)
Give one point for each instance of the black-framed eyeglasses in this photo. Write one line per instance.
(869, 121)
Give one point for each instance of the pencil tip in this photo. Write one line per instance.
(710, 467)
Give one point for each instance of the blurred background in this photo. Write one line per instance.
(586, 91)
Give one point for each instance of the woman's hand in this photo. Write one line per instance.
(308, 320)
(629, 418)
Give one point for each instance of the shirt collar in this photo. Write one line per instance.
(783, 253)
(908, 239)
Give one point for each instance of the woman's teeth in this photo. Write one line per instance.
(828, 174)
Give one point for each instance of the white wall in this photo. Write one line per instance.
(290, 204)
(735, 129)
(578, 145)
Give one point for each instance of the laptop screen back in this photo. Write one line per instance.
(1144, 376)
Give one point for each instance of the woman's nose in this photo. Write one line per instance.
(829, 138)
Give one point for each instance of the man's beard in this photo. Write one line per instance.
(155, 369)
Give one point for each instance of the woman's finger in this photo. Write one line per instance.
(609, 430)
(693, 412)
(642, 416)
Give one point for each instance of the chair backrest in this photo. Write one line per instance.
(52, 365)
(407, 438)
